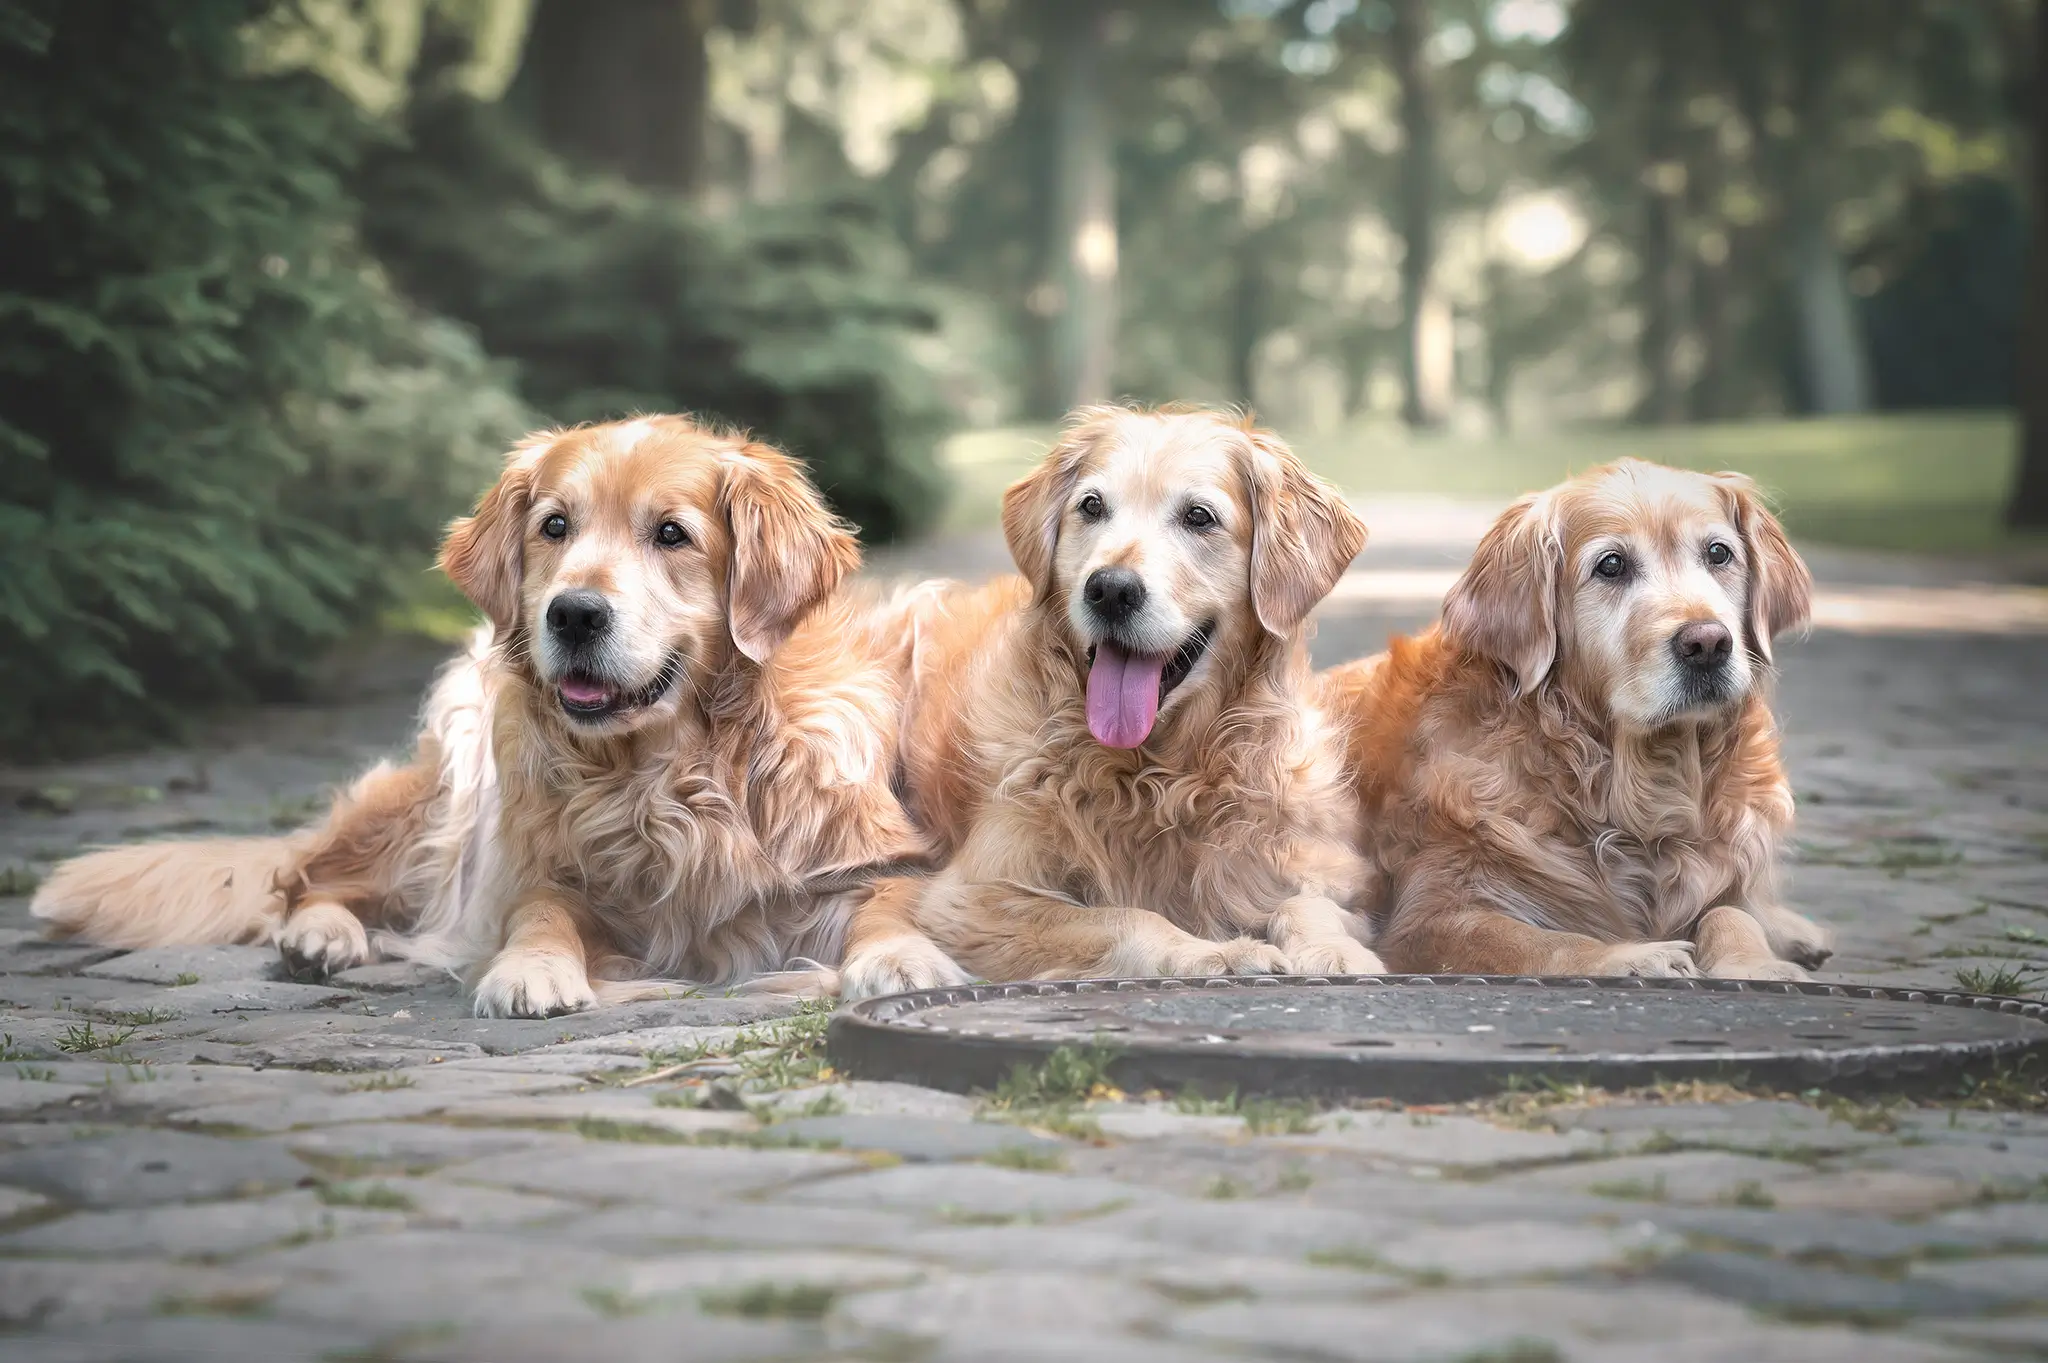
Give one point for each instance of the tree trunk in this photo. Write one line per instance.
(1083, 245)
(1834, 369)
(1247, 317)
(1419, 406)
(623, 84)
(2028, 508)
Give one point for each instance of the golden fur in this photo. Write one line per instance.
(1544, 785)
(1220, 844)
(710, 815)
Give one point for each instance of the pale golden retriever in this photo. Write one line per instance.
(670, 755)
(1118, 750)
(1576, 771)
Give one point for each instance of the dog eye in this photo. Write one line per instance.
(1198, 518)
(1719, 553)
(1610, 566)
(1091, 506)
(554, 527)
(669, 534)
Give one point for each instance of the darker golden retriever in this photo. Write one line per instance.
(1576, 771)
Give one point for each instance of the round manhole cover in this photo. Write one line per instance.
(1440, 1039)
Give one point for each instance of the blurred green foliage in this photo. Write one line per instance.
(222, 435)
(794, 320)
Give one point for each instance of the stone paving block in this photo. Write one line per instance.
(19, 1203)
(206, 1229)
(619, 1171)
(1206, 1278)
(1155, 1121)
(60, 1292)
(631, 1108)
(663, 1337)
(1761, 1127)
(969, 1308)
(962, 1189)
(149, 1168)
(689, 1277)
(211, 964)
(205, 1000)
(1443, 1141)
(60, 993)
(2003, 1167)
(434, 1278)
(1255, 1228)
(2008, 1336)
(660, 1228)
(918, 1139)
(21, 1097)
(2021, 1277)
(419, 1147)
(969, 1240)
(190, 1339)
(1523, 1249)
(1063, 1346)
(2014, 1225)
(1685, 1176)
(1490, 1323)
(439, 1204)
(1762, 1342)
(392, 977)
(1807, 1233)
(1814, 1292)
(1879, 1192)
(36, 956)
(876, 1098)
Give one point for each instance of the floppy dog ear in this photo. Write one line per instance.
(1035, 503)
(1780, 586)
(484, 553)
(1504, 606)
(789, 552)
(1304, 534)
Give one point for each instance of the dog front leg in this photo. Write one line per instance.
(542, 970)
(1010, 932)
(1793, 936)
(1320, 938)
(1733, 945)
(886, 952)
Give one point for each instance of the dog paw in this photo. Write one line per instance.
(1238, 956)
(1656, 960)
(533, 984)
(1335, 956)
(320, 940)
(1758, 968)
(1795, 937)
(896, 965)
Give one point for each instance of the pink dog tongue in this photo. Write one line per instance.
(1123, 696)
(579, 692)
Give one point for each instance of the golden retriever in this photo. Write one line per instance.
(670, 754)
(1576, 772)
(1116, 750)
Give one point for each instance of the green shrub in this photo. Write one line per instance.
(797, 321)
(223, 439)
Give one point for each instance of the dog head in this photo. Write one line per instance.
(623, 559)
(1653, 592)
(1167, 543)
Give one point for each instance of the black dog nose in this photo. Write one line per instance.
(577, 618)
(1703, 644)
(1114, 594)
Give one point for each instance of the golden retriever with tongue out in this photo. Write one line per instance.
(1116, 748)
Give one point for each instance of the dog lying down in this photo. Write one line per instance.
(674, 761)
(1576, 771)
(1116, 753)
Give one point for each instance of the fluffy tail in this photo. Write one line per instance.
(161, 894)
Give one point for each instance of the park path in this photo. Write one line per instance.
(202, 1160)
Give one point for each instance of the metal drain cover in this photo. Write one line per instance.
(1420, 1038)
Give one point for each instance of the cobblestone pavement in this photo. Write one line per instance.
(202, 1160)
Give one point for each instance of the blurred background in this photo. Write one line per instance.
(282, 278)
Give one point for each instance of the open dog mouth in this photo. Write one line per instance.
(1126, 689)
(588, 699)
